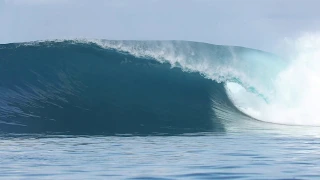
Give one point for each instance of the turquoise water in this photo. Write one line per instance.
(149, 110)
(276, 153)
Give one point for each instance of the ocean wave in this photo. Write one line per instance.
(108, 86)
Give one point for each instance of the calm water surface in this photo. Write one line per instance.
(275, 153)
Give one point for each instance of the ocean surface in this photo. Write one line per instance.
(101, 109)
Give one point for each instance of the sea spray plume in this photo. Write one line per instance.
(296, 88)
(252, 69)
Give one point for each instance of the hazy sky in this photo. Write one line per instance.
(251, 23)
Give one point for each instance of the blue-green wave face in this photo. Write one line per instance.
(128, 86)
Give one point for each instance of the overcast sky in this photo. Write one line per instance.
(257, 24)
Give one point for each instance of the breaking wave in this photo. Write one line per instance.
(103, 86)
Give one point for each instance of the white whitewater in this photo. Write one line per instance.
(296, 89)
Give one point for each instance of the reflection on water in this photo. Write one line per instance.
(254, 150)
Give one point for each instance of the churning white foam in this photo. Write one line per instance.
(296, 92)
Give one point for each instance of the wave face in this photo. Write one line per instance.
(101, 86)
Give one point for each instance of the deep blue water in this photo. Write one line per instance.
(142, 110)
